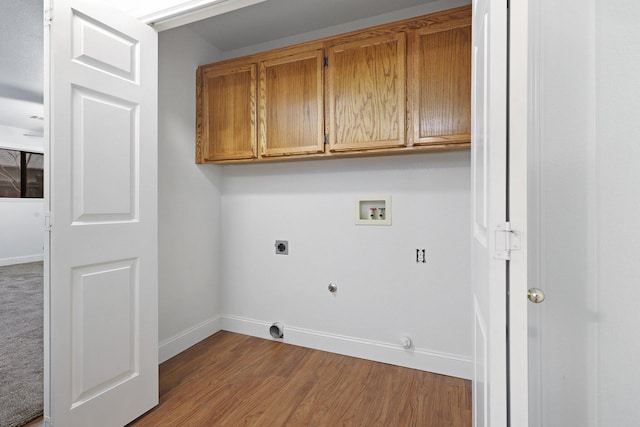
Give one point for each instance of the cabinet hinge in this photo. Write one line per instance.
(48, 13)
(48, 221)
(326, 138)
(507, 240)
(326, 61)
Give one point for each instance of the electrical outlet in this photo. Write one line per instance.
(282, 247)
(421, 255)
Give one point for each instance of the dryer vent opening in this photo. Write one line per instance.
(276, 330)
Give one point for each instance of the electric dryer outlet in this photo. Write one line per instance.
(282, 247)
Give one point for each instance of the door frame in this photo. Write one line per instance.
(519, 64)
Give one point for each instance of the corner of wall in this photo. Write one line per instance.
(188, 202)
(180, 342)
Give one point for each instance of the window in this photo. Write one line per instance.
(21, 174)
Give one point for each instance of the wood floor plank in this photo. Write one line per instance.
(237, 380)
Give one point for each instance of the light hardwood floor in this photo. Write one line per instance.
(237, 380)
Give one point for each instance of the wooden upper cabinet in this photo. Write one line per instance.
(366, 93)
(440, 83)
(402, 87)
(291, 104)
(226, 116)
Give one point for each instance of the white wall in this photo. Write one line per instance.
(214, 261)
(382, 291)
(587, 211)
(21, 220)
(617, 218)
(565, 140)
(189, 202)
(21, 231)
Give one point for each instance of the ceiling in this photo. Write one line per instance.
(275, 19)
(21, 38)
(21, 64)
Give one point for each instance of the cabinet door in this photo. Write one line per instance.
(366, 93)
(228, 113)
(291, 106)
(440, 85)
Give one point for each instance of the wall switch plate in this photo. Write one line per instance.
(421, 255)
(282, 247)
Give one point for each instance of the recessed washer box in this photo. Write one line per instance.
(373, 210)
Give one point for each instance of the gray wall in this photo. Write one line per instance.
(585, 213)
(189, 201)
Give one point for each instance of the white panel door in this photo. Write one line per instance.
(489, 186)
(101, 94)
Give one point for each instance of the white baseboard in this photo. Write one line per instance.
(21, 259)
(192, 336)
(415, 358)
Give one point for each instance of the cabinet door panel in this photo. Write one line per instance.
(291, 105)
(366, 91)
(229, 112)
(440, 85)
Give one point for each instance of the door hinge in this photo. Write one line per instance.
(326, 61)
(507, 240)
(326, 138)
(48, 221)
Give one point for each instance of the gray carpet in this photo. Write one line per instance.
(21, 343)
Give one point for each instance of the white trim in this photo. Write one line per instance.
(21, 259)
(192, 11)
(21, 200)
(534, 216)
(518, 83)
(22, 147)
(416, 358)
(192, 336)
